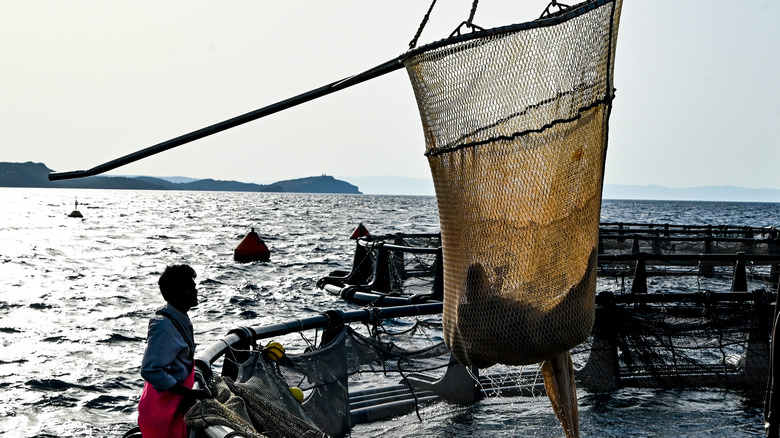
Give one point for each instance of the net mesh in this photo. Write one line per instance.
(680, 343)
(261, 406)
(515, 125)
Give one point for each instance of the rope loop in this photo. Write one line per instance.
(466, 24)
(554, 4)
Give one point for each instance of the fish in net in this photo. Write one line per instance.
(515, 124)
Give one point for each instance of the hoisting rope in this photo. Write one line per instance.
(413, 42)
(473, 11)
(468, 23)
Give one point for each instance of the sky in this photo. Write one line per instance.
(87, 81)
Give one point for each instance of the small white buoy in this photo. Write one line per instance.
(76, 212)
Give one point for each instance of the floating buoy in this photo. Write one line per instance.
(359, 232)
(274, 351)
(76, 212)
(297, 393)
(251, 249)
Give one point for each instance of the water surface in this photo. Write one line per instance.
(76, 295)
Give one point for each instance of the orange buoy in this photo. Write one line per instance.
(251, 249)
(359, 232)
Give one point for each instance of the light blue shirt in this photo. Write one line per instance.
(167, 359)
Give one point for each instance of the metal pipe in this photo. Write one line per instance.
(755, 259)
(371, 244)
(772, 398)
(217, 349)
(645, 238)
(372, 73)
(675, 297)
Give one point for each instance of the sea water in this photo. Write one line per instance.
(76, 295)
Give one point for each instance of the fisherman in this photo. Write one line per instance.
(168, 367)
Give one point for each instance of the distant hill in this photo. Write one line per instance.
(393, 185)
(390, 185)
(37, 175)
(702, 193)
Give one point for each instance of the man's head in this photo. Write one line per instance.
(177, 285)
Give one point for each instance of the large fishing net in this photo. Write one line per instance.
(515, 124)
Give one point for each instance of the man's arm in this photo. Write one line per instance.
(161, 350)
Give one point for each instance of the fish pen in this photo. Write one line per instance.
(620, 238)
(398, 269)
(387, 360)
(393, 269)
(326, 374)
(642, 257)
(680, 340)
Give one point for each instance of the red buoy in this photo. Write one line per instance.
(251, 249)
(359, 232)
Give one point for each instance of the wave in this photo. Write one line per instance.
(60, 385)
(119, 338)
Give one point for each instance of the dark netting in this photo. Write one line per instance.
(365, 373)
(699, 342)
(351, 361)
(515, 124)
(407, 270)
(354, 378)
(412, 270)
(260, 406)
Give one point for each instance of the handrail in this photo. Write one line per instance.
(703, 297)
(403, 235)
(371, 244)
(210, 354)
(647, 237)
(756, 259)
(685, 227)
